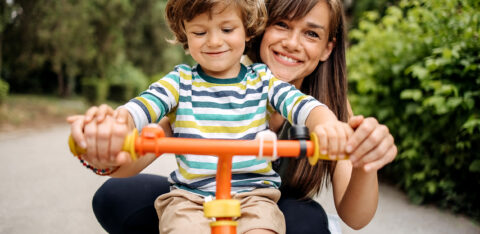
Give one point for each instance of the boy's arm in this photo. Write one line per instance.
(299, 108)
(150, 107)
(127, 167)
(319, 115)
(332, 133)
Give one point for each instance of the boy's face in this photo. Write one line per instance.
(217, 41)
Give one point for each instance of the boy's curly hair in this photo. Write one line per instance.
(253, 13)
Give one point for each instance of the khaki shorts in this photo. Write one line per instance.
(181, 212)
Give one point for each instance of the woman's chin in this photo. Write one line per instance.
(287, 75)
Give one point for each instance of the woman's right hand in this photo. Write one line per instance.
(78, 122)
(371, 146)
(101, 131)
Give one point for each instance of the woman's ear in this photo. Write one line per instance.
(328, 50)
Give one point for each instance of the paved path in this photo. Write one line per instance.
(44, 190)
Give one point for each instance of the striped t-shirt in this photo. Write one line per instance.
(201, 106)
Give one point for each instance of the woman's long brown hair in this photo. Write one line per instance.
(328, 84)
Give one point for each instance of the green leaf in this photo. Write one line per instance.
(471, 124)
(414, 94)
(420, 72)
(436, 101)
(431, 187)
(449, 160)
(454, 102)
(475, 166)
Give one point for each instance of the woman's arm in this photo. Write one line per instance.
(355, 182)
(355, 193)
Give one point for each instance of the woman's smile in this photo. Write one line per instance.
(286, 59)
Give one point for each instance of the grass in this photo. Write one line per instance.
(37, 111)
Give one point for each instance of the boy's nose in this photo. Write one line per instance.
(214, 40)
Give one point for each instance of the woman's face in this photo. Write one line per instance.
(293, 49)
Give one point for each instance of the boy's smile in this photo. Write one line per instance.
(216, 41)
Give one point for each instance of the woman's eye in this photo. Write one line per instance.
(312, 34)
(281, 24)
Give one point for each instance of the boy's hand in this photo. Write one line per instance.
(332, 138)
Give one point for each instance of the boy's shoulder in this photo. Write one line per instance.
(184, 67)
(259, 67)
(261, 70)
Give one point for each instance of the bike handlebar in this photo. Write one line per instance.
(153, 140)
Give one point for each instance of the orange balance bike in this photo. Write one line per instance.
(223, 209)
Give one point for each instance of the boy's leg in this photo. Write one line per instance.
(181, 212)
(125, 205)
(260, 211)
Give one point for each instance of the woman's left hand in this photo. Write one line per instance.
(371, 146)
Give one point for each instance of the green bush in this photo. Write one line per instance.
(95, 90)
(126, 82)
(358, 7)
(3, 90)
(417, 69)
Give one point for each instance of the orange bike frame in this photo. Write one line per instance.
(153, 140)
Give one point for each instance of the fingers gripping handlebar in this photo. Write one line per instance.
(152, 140)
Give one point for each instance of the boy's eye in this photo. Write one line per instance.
(198, 33)
(227, 30)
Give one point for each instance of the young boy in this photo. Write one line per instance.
(221, 99)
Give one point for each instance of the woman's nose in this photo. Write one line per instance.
(291, 41)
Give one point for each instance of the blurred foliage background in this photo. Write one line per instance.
(417, 69)
(413, 64)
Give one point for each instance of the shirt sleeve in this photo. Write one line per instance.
(159, 99)
(292, 104)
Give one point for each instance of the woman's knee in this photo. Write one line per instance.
(303, 216)
(121, 204)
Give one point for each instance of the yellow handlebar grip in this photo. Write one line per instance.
(316, 151)
(74, 148)
(128, 145)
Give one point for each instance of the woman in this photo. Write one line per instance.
(304, 45)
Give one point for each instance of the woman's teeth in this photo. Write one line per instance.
(288, 59)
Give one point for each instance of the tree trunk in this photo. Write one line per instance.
(61, 83)
(1, 54)
(70, 86)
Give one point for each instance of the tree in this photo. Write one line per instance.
(65, 39)
(56, 44)
(8, 12)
